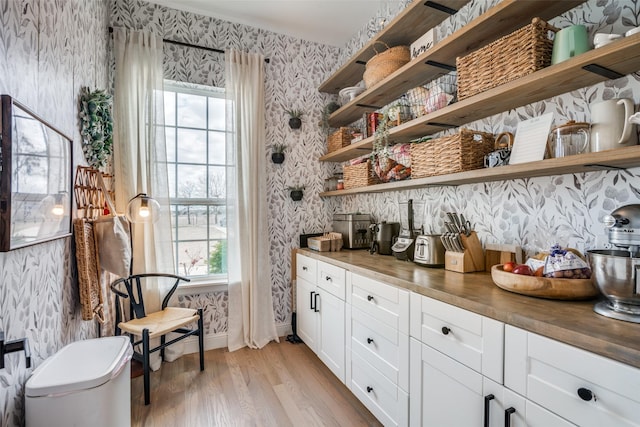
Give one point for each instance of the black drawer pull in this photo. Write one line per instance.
(586, 394)
(369, 297)
(445, 330)
(304, 268)
(487, 402)
(507, 416)
(328, 278)
(311, 300)
(369, 389)
(315, 299)
(369, 340)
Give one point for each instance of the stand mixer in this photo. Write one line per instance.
(616, 272)
(404, 247)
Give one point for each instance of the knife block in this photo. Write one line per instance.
(459, 262)
(472, 245)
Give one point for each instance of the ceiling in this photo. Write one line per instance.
(331, 22)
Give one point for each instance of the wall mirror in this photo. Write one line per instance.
(35, 179)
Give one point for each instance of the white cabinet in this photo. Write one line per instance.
(320, 294)
(452, 352)
(581, 387)
(378, 348)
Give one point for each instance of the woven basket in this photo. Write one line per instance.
(385, 63)
(359, 175)
(460, 152)
(338, 139)
(513, 56)
(88, 270)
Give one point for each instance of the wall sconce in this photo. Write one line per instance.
(143, 209)
(58, 207)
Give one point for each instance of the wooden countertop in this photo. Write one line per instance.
(571, 322)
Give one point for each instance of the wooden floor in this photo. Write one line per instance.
(280, 385)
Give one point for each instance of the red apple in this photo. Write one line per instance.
(523, 269)
(508, 266)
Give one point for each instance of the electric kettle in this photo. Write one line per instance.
(610, 124)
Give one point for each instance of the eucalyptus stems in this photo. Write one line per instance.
(96, 126)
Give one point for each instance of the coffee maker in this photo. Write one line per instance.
(410, 228)
(383, 235)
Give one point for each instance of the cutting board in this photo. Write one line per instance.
(500, 254)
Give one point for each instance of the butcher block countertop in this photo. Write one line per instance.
(571, 322)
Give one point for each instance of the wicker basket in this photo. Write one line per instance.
(513, 56)
(88, 270)
(359, 175)
(460, 152)
(338, 139)
(385, 63)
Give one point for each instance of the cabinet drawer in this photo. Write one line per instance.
(382, 346)
(332, 279)
(469, 338)
(555, 375)
(384, 399)
(306, 268)
(386, 303)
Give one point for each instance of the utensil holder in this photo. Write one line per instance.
(473, 246)
(460, 262)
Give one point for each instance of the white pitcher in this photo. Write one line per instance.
(610, 126)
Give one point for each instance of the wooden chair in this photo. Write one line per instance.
(145, 326)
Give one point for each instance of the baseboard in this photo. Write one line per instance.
(214, 341)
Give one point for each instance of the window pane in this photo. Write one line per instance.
(192, 146)
(216, 113)
(170, 108)
(191, 181)
(170, 137)
(192, 258)
(171, 169)
(218, 257)
(217, 222)
(217, 182)
(174, 222)
(192, 110)
(217, 145)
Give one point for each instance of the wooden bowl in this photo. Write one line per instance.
(543, 287)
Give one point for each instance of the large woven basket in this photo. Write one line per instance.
(513, 56)
(359, 175)
(88, 270)
(459, 152)
(338, 139)
(385, 63)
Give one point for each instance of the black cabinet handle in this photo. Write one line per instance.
(304, 268)
(328, 278)
(487, 402)
(507, 416)
(369, 297)
(445, 330)
(369, 340)
(316, 301)
(369, 389)
(586, 394)
(311, 300)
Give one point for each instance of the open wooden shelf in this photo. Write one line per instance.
(621, 57)
(415, 20)
(500, 20)
(621, 158)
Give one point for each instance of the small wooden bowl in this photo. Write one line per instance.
(543, 287)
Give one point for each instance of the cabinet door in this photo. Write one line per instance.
(306, 314)
(442, 391)
(331, 338)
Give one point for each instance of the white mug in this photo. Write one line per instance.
(602, 39)
(610, 125)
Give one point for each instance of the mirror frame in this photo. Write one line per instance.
(37, 211)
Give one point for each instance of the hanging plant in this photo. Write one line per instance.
(96, 126)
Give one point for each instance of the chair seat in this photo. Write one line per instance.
(161, 322)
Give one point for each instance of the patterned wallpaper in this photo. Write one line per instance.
(50, 50)
(519, 211)
(536, 212)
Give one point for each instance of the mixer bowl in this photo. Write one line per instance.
(616, 274)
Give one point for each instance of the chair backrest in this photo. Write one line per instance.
(133, 292)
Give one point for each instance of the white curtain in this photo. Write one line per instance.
(140, 152)
(251, 320)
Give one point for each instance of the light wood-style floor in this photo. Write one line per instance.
(280, 385)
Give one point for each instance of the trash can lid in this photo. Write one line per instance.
(80, 365)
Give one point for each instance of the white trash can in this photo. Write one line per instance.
(86, 383)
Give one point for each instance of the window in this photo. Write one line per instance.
(195, 135)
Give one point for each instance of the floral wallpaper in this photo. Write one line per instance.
(535, 212)
(51, 49)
